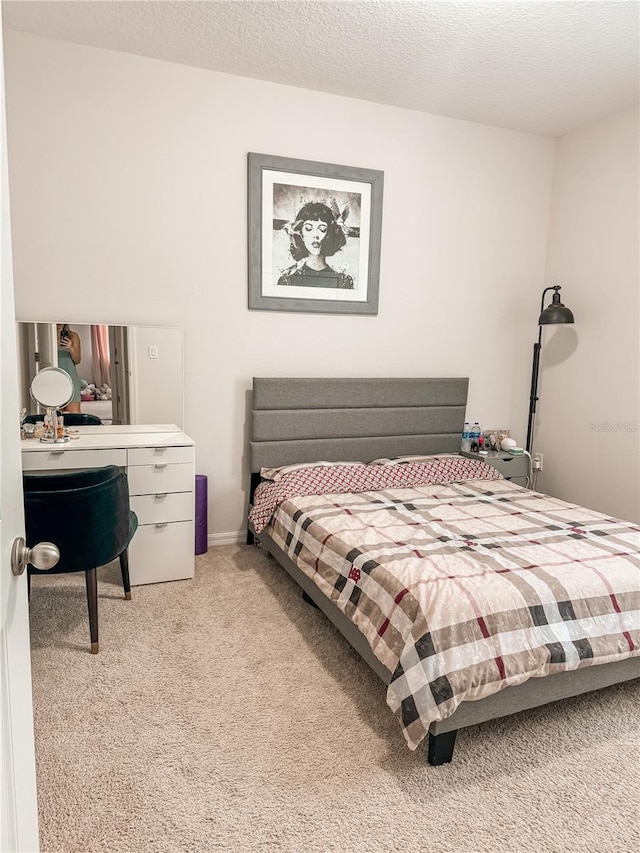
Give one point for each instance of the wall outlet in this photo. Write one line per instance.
(536, 461)
(153, 352)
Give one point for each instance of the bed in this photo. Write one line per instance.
(302, 422)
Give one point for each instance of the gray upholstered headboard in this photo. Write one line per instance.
(307, 420)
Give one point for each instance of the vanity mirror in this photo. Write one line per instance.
(127, 374)
(52, 388)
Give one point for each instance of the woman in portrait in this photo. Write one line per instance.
(68, 356)
(317, 233)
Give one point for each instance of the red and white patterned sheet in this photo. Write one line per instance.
(355, 477)
(465, 588)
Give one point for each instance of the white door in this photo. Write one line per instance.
(19, 830)
(38, 343)
(46, 345)
(120, 409)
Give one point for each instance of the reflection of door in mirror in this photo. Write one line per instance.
(119, 375)
(38, 345)
(47, 345)
(129, 374)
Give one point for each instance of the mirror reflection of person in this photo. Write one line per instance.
(316, 234)
(69, 355)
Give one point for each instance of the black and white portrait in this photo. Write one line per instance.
(314, 236)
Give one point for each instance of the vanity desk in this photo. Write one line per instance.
(160, 466)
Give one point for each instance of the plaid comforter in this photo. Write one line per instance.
(466, 588)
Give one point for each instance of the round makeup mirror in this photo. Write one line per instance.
(52, 387)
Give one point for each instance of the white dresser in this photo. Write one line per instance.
(160, 465)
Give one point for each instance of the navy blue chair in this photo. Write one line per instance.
(70, 419)
(86, 514)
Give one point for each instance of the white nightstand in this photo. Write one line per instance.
(514, 468)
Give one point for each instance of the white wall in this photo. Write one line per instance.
(588, 424)
(128, 190)
(156, 381)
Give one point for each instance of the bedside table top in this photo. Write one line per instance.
(492, 455)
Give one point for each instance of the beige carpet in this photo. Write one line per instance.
(225, 714)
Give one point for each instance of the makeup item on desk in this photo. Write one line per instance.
(491, 441)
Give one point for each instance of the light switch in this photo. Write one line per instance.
(153, 352)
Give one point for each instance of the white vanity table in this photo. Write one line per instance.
(160, 465)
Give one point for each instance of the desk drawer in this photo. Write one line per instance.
(155, 455)
(155, 509)
(520, 481)
(59, 460)
(159, 478)
(516, 466)
(164, 553)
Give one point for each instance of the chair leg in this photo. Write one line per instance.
(91, 578)
(124, 568)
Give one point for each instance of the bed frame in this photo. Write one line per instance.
(306, 420)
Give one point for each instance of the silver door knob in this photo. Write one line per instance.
(42, 556)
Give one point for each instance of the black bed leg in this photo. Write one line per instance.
(250, 538)
(309, 600)
(440, 750)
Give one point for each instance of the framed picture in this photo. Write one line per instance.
(314, 236)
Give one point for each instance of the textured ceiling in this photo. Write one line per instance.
(543, 66)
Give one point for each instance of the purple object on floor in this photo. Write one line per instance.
(201, 514)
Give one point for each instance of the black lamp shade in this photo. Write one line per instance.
(555, 313)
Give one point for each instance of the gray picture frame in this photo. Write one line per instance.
(263, 294)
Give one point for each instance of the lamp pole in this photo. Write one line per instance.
(533, 398)
(554, 313)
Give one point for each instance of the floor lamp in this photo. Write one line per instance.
(554, 313)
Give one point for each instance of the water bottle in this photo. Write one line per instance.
(474, 435)
(466, 437)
